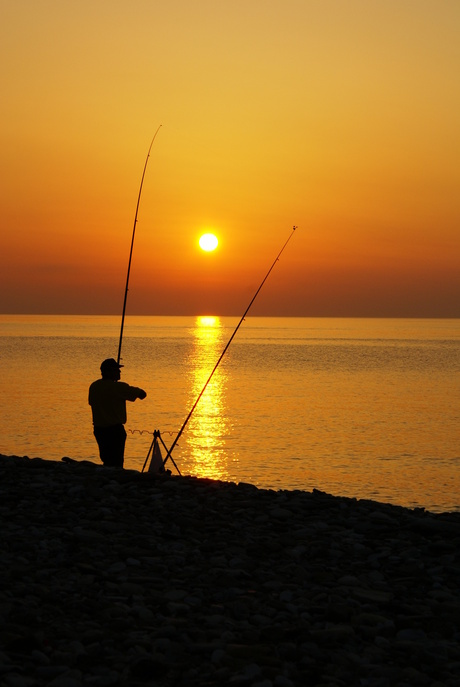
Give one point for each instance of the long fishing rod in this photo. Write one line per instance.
(131, 250)
(168, 455)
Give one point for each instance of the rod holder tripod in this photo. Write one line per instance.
(157, 464)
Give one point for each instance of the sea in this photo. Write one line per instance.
(362, 408)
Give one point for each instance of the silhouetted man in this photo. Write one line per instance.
(107, 398)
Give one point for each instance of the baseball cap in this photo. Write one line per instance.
(110, 364)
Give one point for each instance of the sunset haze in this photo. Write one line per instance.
(339, 117)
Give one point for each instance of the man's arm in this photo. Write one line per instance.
(130, 393)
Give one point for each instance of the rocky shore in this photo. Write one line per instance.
(113, 577)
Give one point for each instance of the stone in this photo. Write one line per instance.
(120, 578)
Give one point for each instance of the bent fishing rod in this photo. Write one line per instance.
(168, 455)
(132, 245)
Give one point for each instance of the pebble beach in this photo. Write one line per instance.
(113, 577)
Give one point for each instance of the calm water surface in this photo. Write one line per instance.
(356, 407)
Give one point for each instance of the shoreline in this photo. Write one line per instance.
(116, 577)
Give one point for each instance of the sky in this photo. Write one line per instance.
(340, 117)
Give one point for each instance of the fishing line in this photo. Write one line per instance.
(131, 250)
(168, 455)
(148, 431)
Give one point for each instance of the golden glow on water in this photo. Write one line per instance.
(358, 408)
(206, 435)
(206, 323)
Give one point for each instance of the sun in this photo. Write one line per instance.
(208, 242)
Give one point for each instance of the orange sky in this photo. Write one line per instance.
(339, 117)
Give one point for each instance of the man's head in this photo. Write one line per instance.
(110, 369)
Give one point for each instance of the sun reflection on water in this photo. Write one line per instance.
(209, 425)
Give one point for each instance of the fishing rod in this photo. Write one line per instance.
(131, 251)
(168, 455)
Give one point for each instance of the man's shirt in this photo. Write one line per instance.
(107, 399)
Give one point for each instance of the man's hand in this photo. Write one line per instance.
(142, 394)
